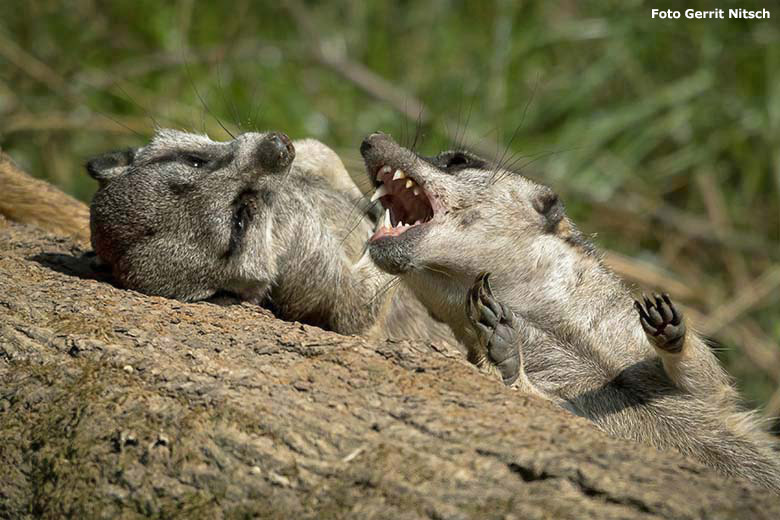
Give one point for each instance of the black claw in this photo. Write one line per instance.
(663, 309)
(638, 307)
(646, 326)
(676, 317)
(662, 322)
(655, 315)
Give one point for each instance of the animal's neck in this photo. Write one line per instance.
(571, 293)
(443, 294)
(553, 286)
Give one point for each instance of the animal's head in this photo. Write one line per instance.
(185, 216)
(459, 214)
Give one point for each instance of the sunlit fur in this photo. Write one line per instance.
(164, 228)
(580, 337)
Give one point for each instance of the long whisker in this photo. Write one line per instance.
(229, 100)
(126, 127)
(357, 215)
(394, 281)
(499, 163)
(417, 130)
(133, 101)
(203, 102)
(445, 273)
(534, 158)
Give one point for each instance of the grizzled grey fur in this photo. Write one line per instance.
(271, 221)
(578, 338)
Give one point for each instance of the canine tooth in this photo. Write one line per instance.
(416, 191)
(409, 183)
(381, 191)
(399, 175)
(388, 222)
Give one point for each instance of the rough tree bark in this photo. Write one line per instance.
(115, 404)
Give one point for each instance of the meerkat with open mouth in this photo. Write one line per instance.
(550, 317)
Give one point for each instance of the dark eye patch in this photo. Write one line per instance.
(458, 160)
(244, 209)
(194, 160)
(199, 160)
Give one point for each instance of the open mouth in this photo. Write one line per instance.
(406, 203)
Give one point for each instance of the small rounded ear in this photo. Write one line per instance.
(547, 204)
(110, 165)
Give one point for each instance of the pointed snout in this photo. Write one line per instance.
(372, 141)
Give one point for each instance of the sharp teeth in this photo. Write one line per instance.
(416, 190)
(399, 175)
(381, 191)
(400, 223)
(409, 183)
(388, 222)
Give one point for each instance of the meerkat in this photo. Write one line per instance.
(274, 222)
(550, 317)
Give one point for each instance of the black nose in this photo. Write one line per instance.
(366, 145)
(275, 152)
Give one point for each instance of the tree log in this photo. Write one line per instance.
(115, 404)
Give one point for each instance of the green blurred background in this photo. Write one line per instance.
(662, 135)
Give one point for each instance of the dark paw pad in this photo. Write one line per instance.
(494, 324)
(662, 322)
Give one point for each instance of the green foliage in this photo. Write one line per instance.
(661, 134)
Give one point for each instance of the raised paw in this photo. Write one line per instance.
(662, 322)
(494, 324)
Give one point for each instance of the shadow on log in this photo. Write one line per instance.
(117, 404)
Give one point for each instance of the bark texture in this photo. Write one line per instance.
(118, 405)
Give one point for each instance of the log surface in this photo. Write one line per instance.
(115, 404)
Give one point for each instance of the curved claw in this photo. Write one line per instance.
(494, 324)
(662, 322)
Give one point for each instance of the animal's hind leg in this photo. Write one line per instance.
(498, 338)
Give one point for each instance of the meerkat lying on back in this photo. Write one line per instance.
(551, 318)
(272, 221)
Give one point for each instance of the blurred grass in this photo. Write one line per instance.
(663, 135)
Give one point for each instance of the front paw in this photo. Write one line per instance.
(662, 323)
(495, 327)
